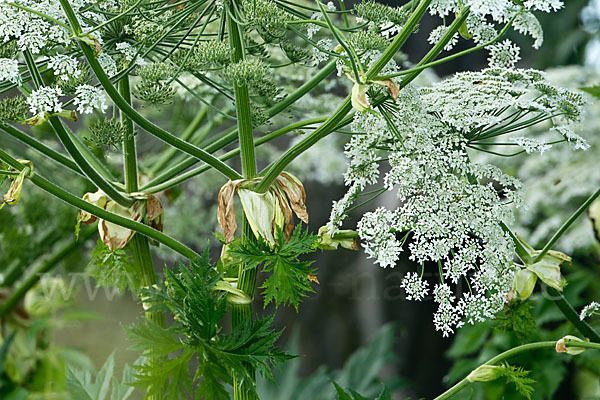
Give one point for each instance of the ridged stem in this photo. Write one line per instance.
(140, 249)
(246, 278)
(230, 135)
(40, 147)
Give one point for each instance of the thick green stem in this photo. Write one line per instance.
(231, 134)
(510, 353)
(77, 202)
(140, 248)
(43, 268)
(328, 126)
(246, 278)
(129, 149)
(242, 103)
(126, 108)
(196, 171)
(93, 175)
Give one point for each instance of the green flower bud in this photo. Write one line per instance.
(13, 195)
(266, 212)
(568, 344)
(485, 373)
(346, 238)
(548, 268)
(359, 97)
(524, 283)
(263, 212)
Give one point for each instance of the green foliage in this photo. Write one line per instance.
(517, 318)
(367, 40)
(3, 178)
(81, 386)
(212, 53)
(159, 71)
(259, 115)
(8, 389)
(9, 49)
(155, 87)
(155, 93)
(112, 268)
(353, 395)
(519, 377)
(269, 20)
(293, 52)
(290, 278)
(360, 372)
(189, 292)
(13, 109)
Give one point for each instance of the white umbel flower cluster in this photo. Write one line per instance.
(36, 33)
(504, 54)
(437, 34)
(485, 15)
(45, 100)
(589, 310)
(416, 288)
(451, 211)
(531, 145)
(64, 66)
(9, 71)
(87, 98)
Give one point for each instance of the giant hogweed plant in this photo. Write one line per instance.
(104, 61)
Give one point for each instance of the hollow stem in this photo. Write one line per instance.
(246, 278)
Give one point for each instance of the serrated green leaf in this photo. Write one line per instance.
(151, 339)
(188, 292)
(290, 279)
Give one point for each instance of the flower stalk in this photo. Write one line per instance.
(508, 354)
